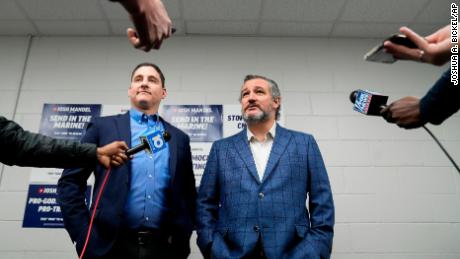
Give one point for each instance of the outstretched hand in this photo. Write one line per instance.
(151, 21)
(433, 49)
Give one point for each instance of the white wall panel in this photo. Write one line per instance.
(396, 195)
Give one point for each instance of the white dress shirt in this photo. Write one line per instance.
(261, 149)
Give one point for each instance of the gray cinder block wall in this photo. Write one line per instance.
(396, 195)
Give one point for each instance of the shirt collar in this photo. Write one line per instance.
(141, 117)
(270, 134)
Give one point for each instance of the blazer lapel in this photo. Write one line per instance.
(280, 144)
(172, 148)
(243, 149)
(123, 125)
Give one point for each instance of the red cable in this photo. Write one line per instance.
(94, 212)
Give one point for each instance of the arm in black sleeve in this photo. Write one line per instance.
(441, 101)
(23, 148)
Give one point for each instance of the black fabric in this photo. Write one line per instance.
(23, 148)
(258, 252)
(148, 245)
(145, 236)
(441, 101)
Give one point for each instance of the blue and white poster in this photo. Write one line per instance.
(61, 121)
(67, 121)
(42, 209)
(203, 123)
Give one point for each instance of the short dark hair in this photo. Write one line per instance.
(274, 89)
(147, 64)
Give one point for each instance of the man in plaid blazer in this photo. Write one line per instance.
(252, 201)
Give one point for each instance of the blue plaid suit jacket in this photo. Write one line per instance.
(235, 208)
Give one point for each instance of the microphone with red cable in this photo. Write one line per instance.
(151, 143)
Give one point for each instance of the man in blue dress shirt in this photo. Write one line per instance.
(147, 207)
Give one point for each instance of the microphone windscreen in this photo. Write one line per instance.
(353, 96)
(367, 102)
(166, 136)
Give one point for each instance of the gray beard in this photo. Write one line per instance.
(263, 116)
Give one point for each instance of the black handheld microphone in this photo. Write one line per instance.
(370, 103)
(367, 102)
(151, 143)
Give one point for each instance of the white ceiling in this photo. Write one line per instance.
(292, 18)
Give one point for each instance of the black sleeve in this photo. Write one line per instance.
(23, 148)
(441, 101)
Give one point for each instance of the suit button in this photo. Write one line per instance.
(256, 228)
(261, 195)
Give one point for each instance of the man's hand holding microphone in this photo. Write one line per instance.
(112, 154)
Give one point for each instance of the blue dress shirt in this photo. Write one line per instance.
(147, 205)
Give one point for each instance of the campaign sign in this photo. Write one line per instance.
(42, 209)
(233, 120)
(67, 121)
(203, 123)
(200, 152)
